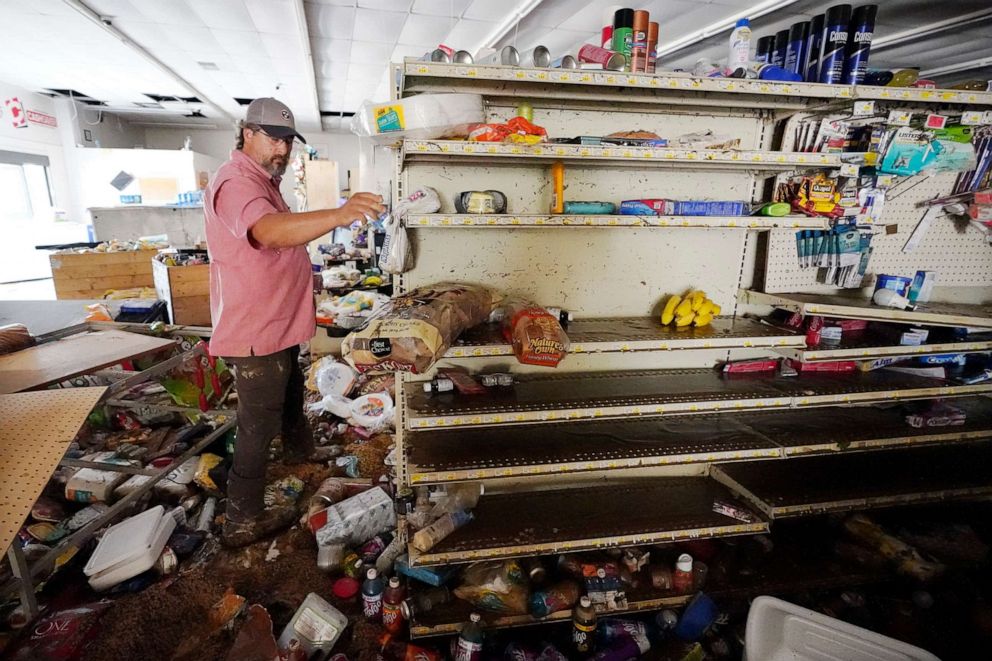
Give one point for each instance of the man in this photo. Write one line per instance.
(261, 304)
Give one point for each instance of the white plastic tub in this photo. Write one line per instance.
(780, 631)
(129, 548)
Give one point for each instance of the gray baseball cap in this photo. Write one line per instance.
(273, 116)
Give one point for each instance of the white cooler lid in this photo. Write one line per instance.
(125, 540)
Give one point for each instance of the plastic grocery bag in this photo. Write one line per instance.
(396, 256)
(498, 587)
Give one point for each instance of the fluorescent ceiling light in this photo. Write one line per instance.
(931, 29)
(954, 68)
(515, 16)
(724, 24)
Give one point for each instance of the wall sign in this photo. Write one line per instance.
(42, 118)
(17, 115)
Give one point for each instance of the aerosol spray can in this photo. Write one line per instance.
(623, 28)
(639, 42)
(781, 45)
(859, 44)
(832, 58)
(606, 37)
(766, 45)
(795, 52)
(595, 55)
(539, 57)
(813, 47)
(652, 46)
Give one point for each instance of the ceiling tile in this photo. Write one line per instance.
(176, 12)
(331, 50)
(106, 8)
(380, 26)
(405, 50)
(330, 22)
(486, 10)
(274, 16)
(224, 14)
(363, 72)
(391, 5)
(364, 51)
(338, 69)
(192, 39)
(426, 30)
(239, 43)
(469, 35)
(440, 7)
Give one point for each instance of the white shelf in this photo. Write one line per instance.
(428, 150)
(446, 221)
(663, 89)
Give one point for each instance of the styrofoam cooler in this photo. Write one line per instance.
(129, 548)
(780, 631)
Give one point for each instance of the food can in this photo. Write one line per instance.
(610, 60)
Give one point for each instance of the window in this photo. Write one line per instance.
(25, 187)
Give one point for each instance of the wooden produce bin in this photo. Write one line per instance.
(186, 291)
(90, 275)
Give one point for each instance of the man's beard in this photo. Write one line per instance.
(276, 166)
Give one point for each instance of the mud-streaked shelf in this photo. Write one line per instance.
(588, 84)
(441, 456)
(652, 393)
(524, 221)
(577, 519)
(888, 478)
(918, 94)
(844, 307)
(446, 150)
(627, 334)
(868, 345)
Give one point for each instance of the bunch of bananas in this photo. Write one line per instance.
(692, 309)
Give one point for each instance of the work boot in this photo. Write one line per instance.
(235, 534)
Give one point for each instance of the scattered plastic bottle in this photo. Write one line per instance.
(469, 646)
(352, 565)
(583, 626)
(373, 548)
(682, 579)
(372, 590)
(392, 616)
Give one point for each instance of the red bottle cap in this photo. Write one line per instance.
(345, 588)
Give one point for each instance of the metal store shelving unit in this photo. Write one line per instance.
(543, 445)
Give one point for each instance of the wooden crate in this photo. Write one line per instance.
(90, 275)
(186, 290)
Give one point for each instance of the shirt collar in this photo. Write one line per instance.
(240, 156)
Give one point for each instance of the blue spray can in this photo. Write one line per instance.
(859, 44)
(781, 45)
(763, 53)
(832, 58)
(814, 45)
(795, 51)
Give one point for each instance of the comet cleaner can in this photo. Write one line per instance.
(834, 52)
(859, 44)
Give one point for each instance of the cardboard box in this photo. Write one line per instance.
(91, 275)
(186, 292)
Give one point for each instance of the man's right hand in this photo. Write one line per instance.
(361, 206)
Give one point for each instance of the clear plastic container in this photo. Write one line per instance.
(316, 625)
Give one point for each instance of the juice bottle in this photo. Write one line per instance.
(469, 646)
(392, 617)
(682, 579)
(372, 595)
(583, 626)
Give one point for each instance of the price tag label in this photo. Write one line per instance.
(864, 108)
(936, 121)
(899, 117)
(849, 170)
(884, 180)
(972, 117)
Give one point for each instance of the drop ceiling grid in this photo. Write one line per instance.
(960, 260)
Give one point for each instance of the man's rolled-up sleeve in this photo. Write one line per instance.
(239, 204)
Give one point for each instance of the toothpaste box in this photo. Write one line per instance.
(646, 207)
(710, 208)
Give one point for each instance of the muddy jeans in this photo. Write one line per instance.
(270, 401)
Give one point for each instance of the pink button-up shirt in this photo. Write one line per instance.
(261, 299)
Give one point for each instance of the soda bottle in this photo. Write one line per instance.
(398, 650)
(682, 578)
(392, 618)
(372, 595)
(352, 565)
(373, 548)
(583, 626)
(469, 647)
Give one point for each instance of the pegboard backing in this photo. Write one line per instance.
(35, 430)
(960, 259)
